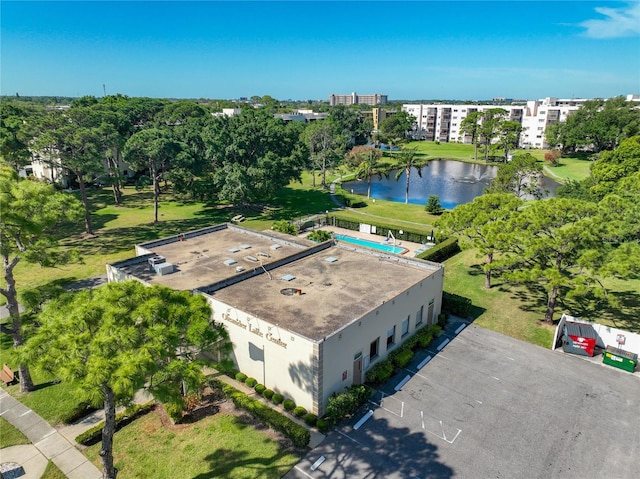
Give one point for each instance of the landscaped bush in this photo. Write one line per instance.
(259, 388)
(94, 435)
(441, 251)
(242, 377)
(298, 434)
(78, 412)
(268, 393)
(284, 226)
(380, 372)
(319, 236)
(288, 404)
(322, 425)
(345, 404)
(250, 382)
(277, 398)
(311, 419)
(442, 320)
(456, 305)
(402, 356)
(299, 411)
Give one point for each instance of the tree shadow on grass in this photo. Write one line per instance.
(621, 311)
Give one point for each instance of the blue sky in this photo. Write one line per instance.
(308, 50)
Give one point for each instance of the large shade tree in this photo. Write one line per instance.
(490, 127)
(566, 246)
(17, 128)
(483, 223)
(154, 149)
(325, 146)
(521, 177)
(78, 140)
(112, 341)
(30, 214)
(597, 125)
(470, 127)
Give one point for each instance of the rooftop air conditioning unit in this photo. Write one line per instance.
(164, 268)
(157, 260)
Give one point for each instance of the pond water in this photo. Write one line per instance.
(454, 182)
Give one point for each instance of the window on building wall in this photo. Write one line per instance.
(391, 337)
(405, 327)
(419, 316)
(373, 349)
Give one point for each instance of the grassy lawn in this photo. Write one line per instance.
(576, 169)
(218, 446)
(458, 151)
(10, 436)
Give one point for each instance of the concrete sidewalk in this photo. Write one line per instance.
(50, 443)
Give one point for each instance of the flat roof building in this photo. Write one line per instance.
(355, 99)
(305, 319)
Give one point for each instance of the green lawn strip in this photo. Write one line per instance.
(576, 169)
(52, 472)
(221, 446)
(52, 400)
(10, 436)
(504, 308)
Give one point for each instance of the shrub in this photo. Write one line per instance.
(284, 226)
(441, 251)
(552, 157)
(250, 382)
(456, 305)
(298, 434)
(322, 425)
(288, 404)
(81, 410)
(94, 435)
(299, 411)
(380, 372)
(259, 388)
(277, 398)
(241, 377)
(442, 320)
(319, 236)
(433, 205)
(424, 336)
(311, 419)
(411, 343)
(402, 357)
(345, 404)
(268, 393)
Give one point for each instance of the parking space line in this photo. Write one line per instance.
(300, 470)
(354, 440)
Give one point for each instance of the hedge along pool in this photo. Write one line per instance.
(387, 248)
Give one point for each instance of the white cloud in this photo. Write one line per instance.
(618, 22)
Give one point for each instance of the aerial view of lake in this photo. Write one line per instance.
(454, 182)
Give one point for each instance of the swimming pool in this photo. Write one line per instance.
(387, 248)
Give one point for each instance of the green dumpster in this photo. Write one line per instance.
(619, 358)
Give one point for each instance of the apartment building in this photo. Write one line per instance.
(355, 99)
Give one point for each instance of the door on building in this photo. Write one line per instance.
(357, 369)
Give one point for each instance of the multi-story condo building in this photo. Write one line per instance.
(355, 99)
(441, 122)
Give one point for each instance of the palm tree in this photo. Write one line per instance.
(366, 162)
(407, 161)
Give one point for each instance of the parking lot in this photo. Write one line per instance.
(489, 406)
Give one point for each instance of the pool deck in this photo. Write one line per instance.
(411, 247)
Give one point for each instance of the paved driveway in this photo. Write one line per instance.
(489, 406)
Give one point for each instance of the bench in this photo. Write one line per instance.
(238, 219)
(7, 375)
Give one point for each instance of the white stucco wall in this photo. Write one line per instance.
(277, 358)
(341, 349)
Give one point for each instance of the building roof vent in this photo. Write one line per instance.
(245, 246)
(288, 277)
(275, 246)
(233, 250)
(331, 259)
(157, 260)
(229, 262)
